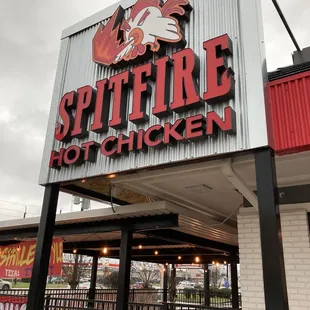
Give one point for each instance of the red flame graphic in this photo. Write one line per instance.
(108, 41)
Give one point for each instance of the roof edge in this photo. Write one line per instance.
(95, 18)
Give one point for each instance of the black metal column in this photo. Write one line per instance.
(43, 248)
(234, 284)
(124, 271)
(93, 280)
(165, 285)
(206, 280)
(270, 231)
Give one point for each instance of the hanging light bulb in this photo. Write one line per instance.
(105, 250)
(225, 263)
(217, 264)
(74, 251)
(180, 257)
(140, 247)
(213, 263)
(156, 252)
(197, 259)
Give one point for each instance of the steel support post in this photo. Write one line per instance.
(43, 248)
(206, 280)
(93, 280)
(124, 271)
(234, 284)
(270, 231)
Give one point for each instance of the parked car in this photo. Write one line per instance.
(57, 280)
(86, 286)
(5, 285)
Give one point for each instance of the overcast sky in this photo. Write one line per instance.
(29, 42)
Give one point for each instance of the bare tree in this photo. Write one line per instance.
(216, 275)
(145, 272)
(76, 267)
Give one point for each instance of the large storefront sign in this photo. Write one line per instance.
(155, 83)
(16, 261)
(185, 70)
(13, 303)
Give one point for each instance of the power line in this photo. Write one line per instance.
(20, 204)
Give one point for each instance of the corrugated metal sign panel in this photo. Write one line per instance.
(290, 105)
(241, 20)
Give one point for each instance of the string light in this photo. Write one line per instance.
(156, 252)
(140, 247)
(74, 251)
(197, 259)
(83, 181)
(213, 263)
(167, 264)
(217, 264)
(105, 250)
(225, 263)
(180, 257)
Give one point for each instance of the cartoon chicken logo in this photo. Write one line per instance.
(150, 23)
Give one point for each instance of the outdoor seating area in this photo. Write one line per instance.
(143, 299)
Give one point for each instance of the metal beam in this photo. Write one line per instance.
(206, 281)
(270, 231)
(181, 238)
(286, 25)
(289, 195)
(135, 224)
(74, 189)
(234, 284)
(115, 243)
(93, 280)
(124, 271)
(43, 248)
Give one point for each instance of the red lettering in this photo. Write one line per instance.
(220, 80)
(56, 159)
(68, 102)
(174, 133)
(120, 85)
(185, 86)
(109, 147)
(162, 94)
(215, 122)
(102, 107)
(73, 156)
(91, 149)
(141, 146)
(152, 138)
(141, 91)
(195, 128)
(126, 144)
(85, 105)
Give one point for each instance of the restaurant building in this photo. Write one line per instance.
(166, 111)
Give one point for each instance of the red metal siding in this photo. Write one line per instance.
(289, 101)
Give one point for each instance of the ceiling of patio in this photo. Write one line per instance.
(205, 199)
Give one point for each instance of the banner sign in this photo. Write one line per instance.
(16, 261)
(13, 303)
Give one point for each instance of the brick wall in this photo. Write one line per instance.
(296, 245)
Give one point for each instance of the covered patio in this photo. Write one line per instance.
(166, 237)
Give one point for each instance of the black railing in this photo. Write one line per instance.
(178, 306)
(138, 298)
(53, 303)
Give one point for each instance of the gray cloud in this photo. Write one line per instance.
(29, 42)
